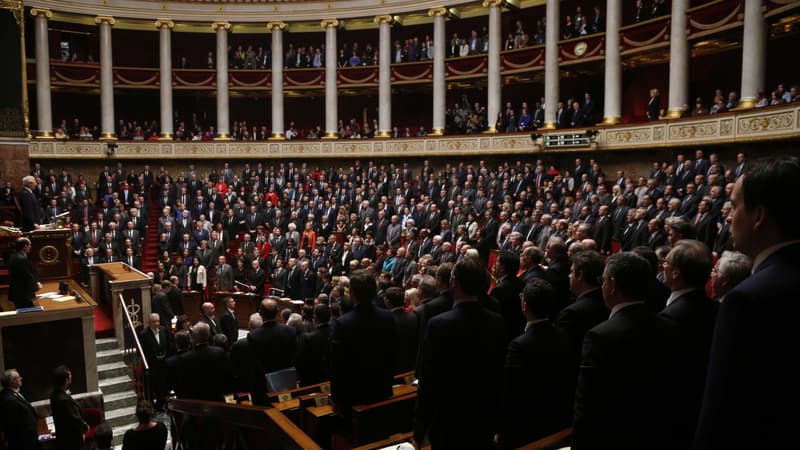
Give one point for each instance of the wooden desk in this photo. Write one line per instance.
(109, 281)
(246, 304)
(38, 342)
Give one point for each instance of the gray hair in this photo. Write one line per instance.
(255, 321)
(734, 267)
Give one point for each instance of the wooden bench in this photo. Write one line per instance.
(380, 420)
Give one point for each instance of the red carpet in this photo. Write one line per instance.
(103, 322)
(150, 249)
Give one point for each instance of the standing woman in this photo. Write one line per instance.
(149, 434)
(197, 278)
(308, 239)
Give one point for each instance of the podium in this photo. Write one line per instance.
(109, 281)
(50, 251)
(61, 333)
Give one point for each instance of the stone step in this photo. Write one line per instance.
(109, 356)
(121, 416)
(121, 399)
(114, 369)
(106, 344)
(119, 433)
(111, 385)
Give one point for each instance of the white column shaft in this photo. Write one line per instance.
(331, 98)
(439, 86)
(223, 105)
(165, 67)
(612, 103)
(385, 83)
(678, 58)
(277, 81)
(493, 84)
(44, 109)
(551, 75)
(106, 81)
(754, 49)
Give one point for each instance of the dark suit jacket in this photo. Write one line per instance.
(539, 385)
(204, 372)
(18, 421)
(175, 297)
(214, 327)
(750, 376)
(694, 314)
(22, 280)
(585, 313)
(274, 345)
(67, 420)
(451, 349)
(314, 356)
(160, 304)
(624, 395)
(362, 356)
(407, 325)
(602, 234)
(31, 212)
(229, 326)
(507, 293)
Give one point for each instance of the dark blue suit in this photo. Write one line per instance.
(751, 380)
(362, 356)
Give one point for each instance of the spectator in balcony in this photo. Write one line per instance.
(719, 106)
(354, 60)
(578, 119)
(732, 102)
(511, 42)
(640, 13)
(463, 50)
(775, 98)
(760, 100)
(398, 56)
(654, 104)
(316, 61)
(524, 120)
(454, 49)
(413, 50)
(698, 110)
(475, 43)
(658, 8)
(563, 116)
(597, 21)
(568, 29)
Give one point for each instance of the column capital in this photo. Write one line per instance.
(224, 25)
(490, 3)
(41, 12)
(383, 18)
(279, 24)
(333, 23)
(160, 23)
(104, 19)
(440, 11)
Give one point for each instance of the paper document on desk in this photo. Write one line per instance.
(49, 295)
(400, 446)
(64, 298)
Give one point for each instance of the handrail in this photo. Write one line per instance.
(133, 354)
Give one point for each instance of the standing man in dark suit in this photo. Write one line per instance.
(22, 275)
(30, 209)
(66, 413)
(228, 324)
(625, 372)
(273, 346)
(453, 347)
(506, 290)
(540, 373)
(17, 416)
(314, 354)
(156, 346)
(588, 310)
(687, 268)
(362, 357)
(209, 318)
(750, 374)
(407, 326)
(203, 368)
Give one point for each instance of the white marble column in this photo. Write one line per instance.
(331, 97)
(165, 71)
(678, 59)
(44, 108)
(439, 86)
(551, 73)
(223, 101)
(106, 79)
(754, 53)
(612, 102)
(384, 22)
(493, 84)
(277, 79)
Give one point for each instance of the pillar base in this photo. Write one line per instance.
(45, 135)
(746, 103)
(108, 137)
(383, 134)
(223, 137)
(491, 130)
(436, 132)
(674, 113)
(165, 137)
(330, 136)
(548, 126)
(612, 120)
(277, 137)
